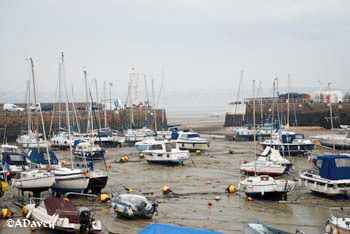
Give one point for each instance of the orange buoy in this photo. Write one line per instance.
(209, 203)
(110, 165)
(250, 199)
(33, 229)
(85, 172)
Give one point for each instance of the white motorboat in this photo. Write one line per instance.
(340, 140)
(15, 162)
(135, 135)
(133, 206)
(166, 152)
(262, 166)
(288, 143)
(164, 135)
(62, 140)
(332, 176)
(9, 148)
(31, 139)
(63, 215)
(145, 144)
(265, 186)
(34, 180)
(339, 220)
(189, 140)
(88, 149)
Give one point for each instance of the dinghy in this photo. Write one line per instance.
(63, 215)
(134, 206)
(339, 220)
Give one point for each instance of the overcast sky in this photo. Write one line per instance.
(200, 44)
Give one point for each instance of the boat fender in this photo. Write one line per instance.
(104, 197)
(198, 152)
(25, 211)
(5, 213)
(141, 155)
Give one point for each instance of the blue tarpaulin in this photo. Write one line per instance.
(334, 167)
(157, 228)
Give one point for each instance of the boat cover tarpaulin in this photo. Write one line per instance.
(62, 207)
(157, 228)
(334, 167)
(39, 156)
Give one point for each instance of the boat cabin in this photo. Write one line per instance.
(334, 167)
(290, 137)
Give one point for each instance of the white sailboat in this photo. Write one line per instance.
(35, 180)
(263, 186)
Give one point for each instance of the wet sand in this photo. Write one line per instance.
(199, 181)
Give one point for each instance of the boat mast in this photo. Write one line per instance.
(273, 104)
(154, 109)
(254, 128)
(110, 98)
(105, 106)
(331, 115)
(147, 100)
(41, 115)
(288, 102)
(75, 111)
(59, 93)
(131, 97)
(261, 106)
(67, 111)
(97, 101)
(28, 107)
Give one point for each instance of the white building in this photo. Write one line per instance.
(333, 96)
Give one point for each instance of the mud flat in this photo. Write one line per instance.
(199, 181)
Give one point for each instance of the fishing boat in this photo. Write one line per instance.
(88, 149)
(262, 166)
(258, 228)
(265, 186)
(339, 220)
(332, 176)
(63, 215)
(166, 152)
(288, 143)
(339, 140)
(192, 141)
(134, 206)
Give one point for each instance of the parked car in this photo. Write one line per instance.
(35, 107)
(12, 107)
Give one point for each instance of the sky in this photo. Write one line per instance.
(201, 45)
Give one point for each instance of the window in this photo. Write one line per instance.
(168, 147)
(192, 135)
(156, 147)
(342, 162)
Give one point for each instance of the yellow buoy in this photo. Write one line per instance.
(63, 162)
(141, 155)
(166, 189)
(124, 159)
(231, 188)
(5, 213)
(104, 197)
(4, 186)
(198, 152)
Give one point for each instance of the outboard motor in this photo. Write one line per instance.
(84, 215)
